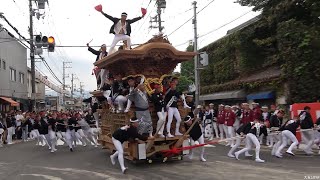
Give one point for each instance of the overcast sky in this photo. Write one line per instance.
(75, 22)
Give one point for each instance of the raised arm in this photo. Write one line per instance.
(130, 21)
(113, 19)
(93, 51)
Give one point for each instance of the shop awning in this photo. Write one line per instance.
(261, 95)
(9, 100)
(238, 94)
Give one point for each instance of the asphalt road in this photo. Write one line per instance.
(25, 161)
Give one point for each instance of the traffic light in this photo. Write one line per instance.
(204, 59)
(44, 41)
(51, 44)
(37, 41)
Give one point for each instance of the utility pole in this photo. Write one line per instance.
(159, 17)
(64, 76)
(195, 49)
(81, 88)
(161, 4)
(73, 77)
(33, 73)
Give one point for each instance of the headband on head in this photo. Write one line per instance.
(187, 119)
(134, 120)
(124, 14)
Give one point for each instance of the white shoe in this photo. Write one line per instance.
(84, 145)
(52, 151)
(319, 152)
(49, 148)
(178, 134)
(290, 153)
(203, 159)
(228, 144)
(1, 145)
(95, 145)
(55, 150)
(127, 110)
(170, 135)
(231, 155)
(247, 155)
(124, 170)
(236, 154)
(190, 156)
(278, 155)
(259, 160)
(112, 160)
(161, 135)
(211, 138)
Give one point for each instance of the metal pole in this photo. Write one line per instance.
(33, 76)
(71, 85)
(159, 17)
(195, 49)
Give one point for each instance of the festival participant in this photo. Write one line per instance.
(237, 111)
(132, 85)
(121, 29)
(140, 98)
(240, 133)
(10, 128)
(256, 129)
(288, 133)
(247, 114)
(171, 100)
(2, 128)
(317, 139)
(94, 130)
(61, 128)
(79, 134)
(121, 135)
(275, 124)
(100, 54)
(266, 118)
(35, 133)
(221, 120)
(71, 133)
(52, 132)
(195, 135)
(87, 131)
(158, 100)
(307, 133)
(230, 118)
(214, 121)
(257, 113)
(117, 89)
(44, 132)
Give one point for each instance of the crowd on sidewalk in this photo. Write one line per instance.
(47, 127)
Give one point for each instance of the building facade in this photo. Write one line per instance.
(13, 73)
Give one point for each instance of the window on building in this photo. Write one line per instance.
(13, 76)
(4, 65)
(21, 78)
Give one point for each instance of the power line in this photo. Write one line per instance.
(216, 29)
(190, 18)
(225, 24)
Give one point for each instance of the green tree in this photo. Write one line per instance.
(187, 73)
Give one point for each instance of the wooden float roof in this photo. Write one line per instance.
(152, 59)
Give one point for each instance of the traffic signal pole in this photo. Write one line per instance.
(33, 76)
(196, 61)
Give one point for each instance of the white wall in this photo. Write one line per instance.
(15, 56)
